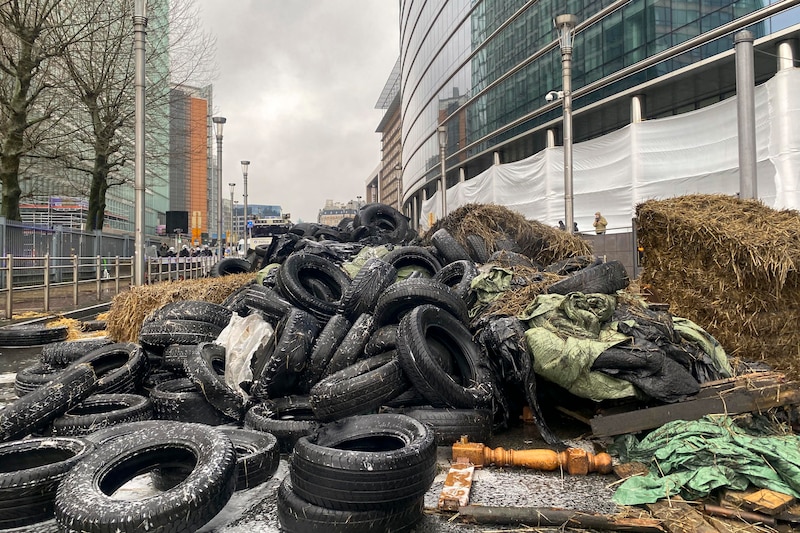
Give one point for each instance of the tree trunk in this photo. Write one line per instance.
(97, 192)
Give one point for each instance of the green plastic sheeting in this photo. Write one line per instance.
(694, 458)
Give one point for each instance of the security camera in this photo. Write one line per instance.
(554, 95)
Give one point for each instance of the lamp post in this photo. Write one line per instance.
(399, 170)
(219, 123)
(232, 186)
(443, 183)
(565, 25)
(245, 166)
(236, 222)
(139, 35)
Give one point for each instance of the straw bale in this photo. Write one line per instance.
(730, 265)
(129, 308)
(542, 243)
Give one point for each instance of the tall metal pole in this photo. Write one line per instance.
(746, 114)
(139, 35)
(219, 122)
(565, 24)
(232, 186)
(443, 179)
(245, 166)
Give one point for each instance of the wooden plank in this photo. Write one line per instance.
(739, 399)
(768, 502)
(457, 486)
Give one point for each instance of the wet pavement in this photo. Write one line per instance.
(255, 510)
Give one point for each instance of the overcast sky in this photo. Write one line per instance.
(298, 81)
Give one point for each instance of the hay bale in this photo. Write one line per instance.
(730, 265)
(542, 243)
(129, 308)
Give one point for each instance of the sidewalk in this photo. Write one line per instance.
(29, 304)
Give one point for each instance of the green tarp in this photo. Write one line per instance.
(694, 458)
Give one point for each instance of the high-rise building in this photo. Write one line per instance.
(482, 70)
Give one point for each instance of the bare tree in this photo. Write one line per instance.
(33, 33)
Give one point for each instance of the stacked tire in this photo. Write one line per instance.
(359, 474)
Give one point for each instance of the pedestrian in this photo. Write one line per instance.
(184, 251)
(600, 223)
(561, 225)
(575, 227)
(162, 250)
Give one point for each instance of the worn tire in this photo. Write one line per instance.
(32, 377)
(119, 367)
(458, 275)
(605, 278)
(441, 360)
(368, 284)
(32, 470)
(449, 425)
(271, 305)
(384, 220)
(352, 346)
(180, 400)
(364, 462)
(195, 310)
(39, 408)
(61, 354)
(85, 502)
(403, 296)
(162, 333)
(205, 366)
(476, 247)
(384, 339)
(287, 418)
(358, 389)
(416, 257)
(325, 346)
(296, 515)
(292, 282)
(229, 265)
(102, 410)
(448, 247)
(31, 335)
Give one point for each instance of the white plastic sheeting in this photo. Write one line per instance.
(696, 152)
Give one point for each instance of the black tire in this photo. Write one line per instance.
(31, 335)
(102, 410)
(30, 378)
(32, 470)
(352, 346)
(277, 371)
(441, 360)
(287, 418)
(174, 357)
(383, 340)
(195, 310)
(384, 220)
(571, 264)
(229, 265)
(205, 366)
(61, 354)
(327, 342)
(476, 247)
(180, 400)
(507, 258)
(39, 408)
(119, 367)
(605, 278)
(358, 389)
(403, 296)
(292, 282)
(448, 247)
(458, 275)
(175, 331)
(346, 465)
(235, 300)
(257, 456)
(296, 515)
(413, 257)
(85, 502)
(450, 424)
(271, 305)
(368, 284)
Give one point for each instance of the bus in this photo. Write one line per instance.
(263, 230)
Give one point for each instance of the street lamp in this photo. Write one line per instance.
(232, 186)
(565, 25)
(443, 183)
(399, 170)
(219, 123)
(139, 35)
(245, 166)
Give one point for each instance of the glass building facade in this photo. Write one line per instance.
(482, 68)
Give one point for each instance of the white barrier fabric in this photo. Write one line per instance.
(695, 152)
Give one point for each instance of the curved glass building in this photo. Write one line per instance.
(482, 68)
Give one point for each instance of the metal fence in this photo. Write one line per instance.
(42, 265)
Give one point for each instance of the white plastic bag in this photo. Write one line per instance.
(241, 338)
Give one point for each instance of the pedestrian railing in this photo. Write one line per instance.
(34, 283)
